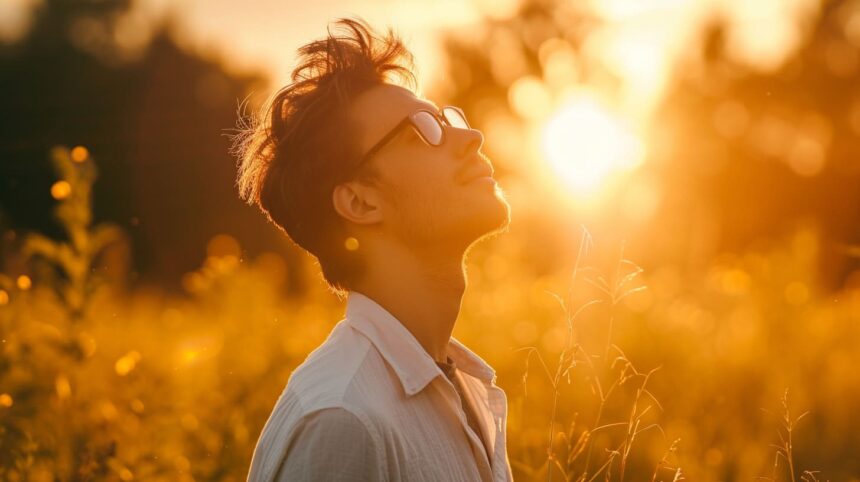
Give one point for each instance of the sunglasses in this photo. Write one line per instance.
(428, 125)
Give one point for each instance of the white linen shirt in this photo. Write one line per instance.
(371, 404)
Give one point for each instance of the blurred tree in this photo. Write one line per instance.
(153, 117)
(767, 150)
(743, 156)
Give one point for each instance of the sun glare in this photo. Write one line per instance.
(587, 145)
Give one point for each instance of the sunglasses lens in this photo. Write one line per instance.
(429, 127)
(455, 118)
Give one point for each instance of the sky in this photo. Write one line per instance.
(267, 32)
(640, 40)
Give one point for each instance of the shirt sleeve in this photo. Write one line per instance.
(331, 444)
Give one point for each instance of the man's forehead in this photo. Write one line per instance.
(393, 99)
(382, 107)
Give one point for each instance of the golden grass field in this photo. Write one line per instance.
(741, 371)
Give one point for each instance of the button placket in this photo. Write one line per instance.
(479, 452)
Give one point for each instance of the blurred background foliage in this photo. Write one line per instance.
(149, 319)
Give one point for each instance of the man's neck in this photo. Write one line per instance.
(422, 290)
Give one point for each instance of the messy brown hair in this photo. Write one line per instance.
(303, 143)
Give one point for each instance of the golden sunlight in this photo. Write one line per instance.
(587, 145)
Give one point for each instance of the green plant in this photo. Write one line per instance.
(75, 257)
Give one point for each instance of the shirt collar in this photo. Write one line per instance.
(414, 366)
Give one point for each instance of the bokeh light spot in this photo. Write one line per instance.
(351, 244)
(125, 474)
(80, 154)
(63, 387)
(24, 282)
(108, 410)
(223, 245)
(126, 363)
(137, 406)
(735, 281)
(61, 190)
(529, 98)
(189, 422)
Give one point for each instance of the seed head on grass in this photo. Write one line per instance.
(785, 449)
(576, 465)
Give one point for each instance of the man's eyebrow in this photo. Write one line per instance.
(430, 103)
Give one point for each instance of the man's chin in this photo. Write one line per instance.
(504, 208)
(494, 220)
(503, 221)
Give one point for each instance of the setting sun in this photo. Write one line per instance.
(586, 145)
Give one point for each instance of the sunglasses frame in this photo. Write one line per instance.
(410, 120)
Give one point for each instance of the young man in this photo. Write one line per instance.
(388, 192)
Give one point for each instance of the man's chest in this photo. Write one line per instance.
(429, 439)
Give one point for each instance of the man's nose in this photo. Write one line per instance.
(468, 142)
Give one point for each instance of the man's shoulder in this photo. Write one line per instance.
(345, 371)
(328, 370)
(316, 396)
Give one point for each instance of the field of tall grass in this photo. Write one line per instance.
(746, 370)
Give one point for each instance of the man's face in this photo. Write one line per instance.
(430, 195)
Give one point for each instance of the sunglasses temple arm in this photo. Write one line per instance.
(393, 132)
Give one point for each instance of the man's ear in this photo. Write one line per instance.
(357, 202)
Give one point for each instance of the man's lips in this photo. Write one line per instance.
(482, 179)
(484, 170)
